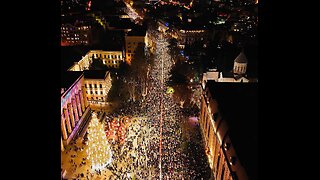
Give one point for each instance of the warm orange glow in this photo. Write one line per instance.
(257, 1)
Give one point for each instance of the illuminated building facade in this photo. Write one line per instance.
(228, 123)
(189, 36)
(75, 30)
(132, 39)
(111, 59)
(238, 74)
(97, 84)
(74, 106)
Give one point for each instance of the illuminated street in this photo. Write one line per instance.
(151, 89)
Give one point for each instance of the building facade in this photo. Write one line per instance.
(72, 35)
(189, 36)
(111, 59)
(222, 154)
(131, 45)
(240, 64)
(97, 84)
(74, 107)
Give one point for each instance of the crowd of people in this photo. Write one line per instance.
(152, 146)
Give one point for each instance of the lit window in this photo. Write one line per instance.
(233, 160)
(227, 146)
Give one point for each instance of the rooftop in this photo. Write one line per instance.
(241, 58)
(238, 105)
(95, 74)
(71, 54)
(137, 31)
(77, 19)
(69, 77)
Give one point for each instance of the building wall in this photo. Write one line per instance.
(131, 45)
(240, 68)
(96, 90)
(218, 145)
(242, 79)
(73, 106)
(112, 59)
(75, 35)
(188, 37)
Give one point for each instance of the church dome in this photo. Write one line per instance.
(241, 58)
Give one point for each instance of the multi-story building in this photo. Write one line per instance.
(97, 84)
(74, 106)
(132, 40)
(187, 35)
(75, 31)
(229, 126)
(111, 59)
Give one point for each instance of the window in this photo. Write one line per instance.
(95, 85)
(105, 56)
(88, 98)
(100, 85)
(218, 163)
(96, 92)
(100, 92)
(109, 56)
(91, 98)
(90, 85)
(85, 85)
(96, 98)
(91, 92)
(233, 160)
(102, 98)
(227, 146)
(108, 61)
(129, 51)
(128, 55)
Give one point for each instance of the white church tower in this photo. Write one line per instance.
(240, 64)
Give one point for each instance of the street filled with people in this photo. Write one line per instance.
(146, 137)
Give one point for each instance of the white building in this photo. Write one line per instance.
(240, 64)
(97, 84)
(111, 59)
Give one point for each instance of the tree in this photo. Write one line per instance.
(174, 50)
(136, 75)
(98, 152)
(97, 64)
